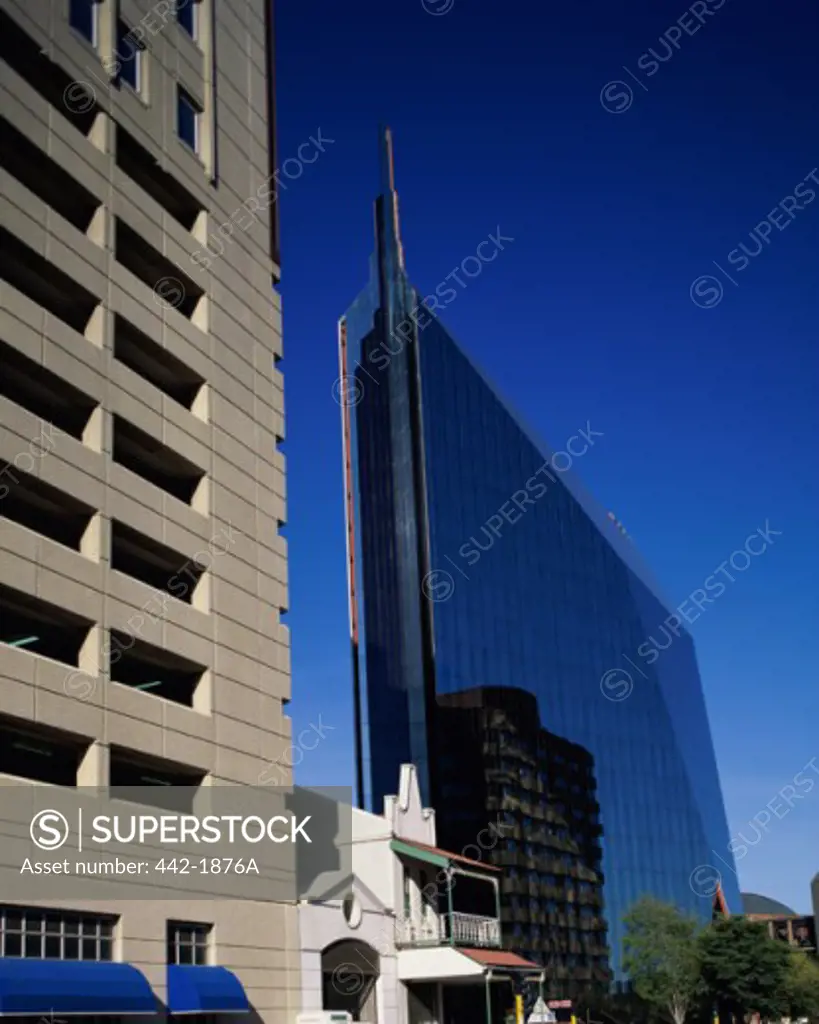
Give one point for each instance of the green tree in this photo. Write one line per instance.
(745, 971)
(803, 985)
(661, 956)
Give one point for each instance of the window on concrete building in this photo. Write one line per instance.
(170, 284)
(188, 113)
(41, 754)
(155, 462)
(188, 942)
(152, 361)
(154, 670)
(38, 506)
(140, 164)
(160, 567)
(129, 57)
(82, 17)
(153, 781)
(42, 281)
(187, 15)
(38, 627)
(25, 56)
(55, 934)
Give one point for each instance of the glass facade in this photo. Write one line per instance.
(477, 560)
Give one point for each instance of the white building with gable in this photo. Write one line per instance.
(417, 940)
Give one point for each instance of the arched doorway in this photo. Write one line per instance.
(349, 972)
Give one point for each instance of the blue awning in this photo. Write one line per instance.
(204, 990)
(52, 987)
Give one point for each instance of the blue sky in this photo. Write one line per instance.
(709, 414)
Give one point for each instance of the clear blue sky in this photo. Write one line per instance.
(709, 414)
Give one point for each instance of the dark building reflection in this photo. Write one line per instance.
(526, 800)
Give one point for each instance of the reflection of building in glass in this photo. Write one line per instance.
(539, 790)
(476, 559)
(783, 923)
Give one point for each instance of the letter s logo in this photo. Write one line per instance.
(48, 830)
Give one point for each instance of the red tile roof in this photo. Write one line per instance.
(500, 958)
(449, 855)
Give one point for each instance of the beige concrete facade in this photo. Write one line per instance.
(104, 245)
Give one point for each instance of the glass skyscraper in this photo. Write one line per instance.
(477, 560)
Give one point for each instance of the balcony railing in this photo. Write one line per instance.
(473, 929)
(456, 928)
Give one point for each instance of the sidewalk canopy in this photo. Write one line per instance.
(204, 990)
(502, 960)
(455, 964)
(49, 988)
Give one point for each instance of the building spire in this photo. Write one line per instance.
(387, 165)
(388, 190)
